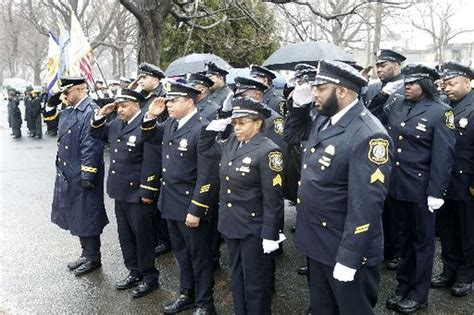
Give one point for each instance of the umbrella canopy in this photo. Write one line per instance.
(286, 57)
(194, 63)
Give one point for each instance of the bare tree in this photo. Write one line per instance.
(436, 20)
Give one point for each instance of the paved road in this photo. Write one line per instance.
(34, 252)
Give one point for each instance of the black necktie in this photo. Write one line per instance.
(175, 126)
(124, 124)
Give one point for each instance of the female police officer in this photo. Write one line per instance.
(251, 201)
(422, 130)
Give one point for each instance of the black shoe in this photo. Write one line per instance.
(183, 302)
(145, 288)
(53, 134)
(410, 306)
(87, 267)
(293, 229)
(129, 282)
(205, 311)
(303, 270)
(392, 303)
(76, 263)
(162, 249)
(392, 265)
(37, 137)
(441, 281)
(461, 289)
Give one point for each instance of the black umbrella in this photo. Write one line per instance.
(286, 57)
(194, 63)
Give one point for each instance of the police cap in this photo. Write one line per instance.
(453, 69)
(212, 68)
(179, 89)
(150, 69)
(384, 55)
(260, 71)
(339, 73)
(129, 95)
(198, 78)
(244, 84)
(416, 72)
(68, 82)
(244, 106)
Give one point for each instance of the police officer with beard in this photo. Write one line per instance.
(219, 90)
(456, 218)
(344, 182)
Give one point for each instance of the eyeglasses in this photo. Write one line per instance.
(68, 91)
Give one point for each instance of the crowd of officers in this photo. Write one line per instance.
(194, 163)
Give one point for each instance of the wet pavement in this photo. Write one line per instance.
(34, 252)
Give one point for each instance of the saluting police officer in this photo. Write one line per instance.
(219, 90)
(456, 218)
(390, 86)
(78, 202)
(206, 107)
(251, 201)
(270, 97)
(422, 130)
(149, 79)
(188, 189)
(129, 183)
(344, 182)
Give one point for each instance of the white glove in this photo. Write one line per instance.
(269, 246)
(218, 124)
(392, 87)
(343, 273)
(227, 105)
(302, 95)
(434, 203)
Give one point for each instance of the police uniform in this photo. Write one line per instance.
(129, 180)
(251, 207)
(221, 94)
(51, 114)
(153, 151)
(424, 145)
(344, 182)
(36, 108)
(14, 113)
(374, 99)
(187, 187)
(456, 218)
(270, 98)
(78, 201)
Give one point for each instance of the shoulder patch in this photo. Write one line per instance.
(275, 161)
(281, 107)
(449, 117)
(278, 126)
(378, 151)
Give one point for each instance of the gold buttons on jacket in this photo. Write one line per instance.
(397, 163)
(227, 178)
(313, 150)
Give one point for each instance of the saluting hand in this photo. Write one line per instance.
(192, 221)
(107, 109)
(156, 107)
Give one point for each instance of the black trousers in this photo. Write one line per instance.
(250, 270)
(16, 132)
(331, 296)
(38, 128)
(456, 231)
(90, 247)
(391, 230)
(191, 249)
(136, 224)
(417, 228)
(216, 238)
(162, 233)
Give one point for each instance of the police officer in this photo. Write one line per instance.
(380, 93)
(27, 103)
(14, 113)
(219, 90)
(149, 79)
(422, 130)
(78, 202)
(270, 97)
(456, 218)
(35, 112)
(206, 107)
(251, 201)
(50, 114)
(344, 182)
(128, 173)
(186, 194)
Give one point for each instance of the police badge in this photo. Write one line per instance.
(378, 151)
(131, 141)
(449, 119)
(275, 161)
(183, 145)
(278, 126)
